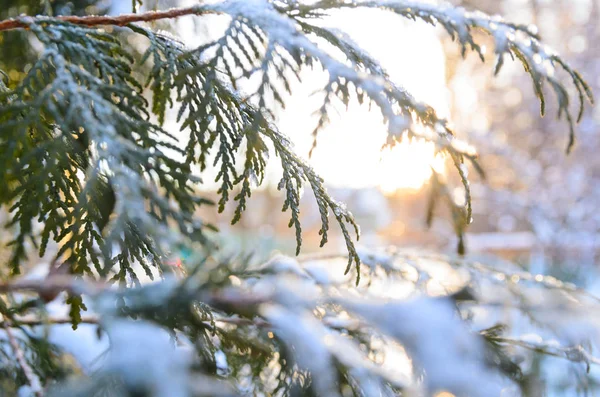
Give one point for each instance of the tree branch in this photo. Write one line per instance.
(95, 20)
(32, 378)
(54, 284)
(34, 321)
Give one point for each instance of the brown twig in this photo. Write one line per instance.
(32, 321)
(54, 284)
(66, 283)
(96, 20)
(240, 321)
(32, 378)
(572, 353)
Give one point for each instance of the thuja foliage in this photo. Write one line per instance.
(91, 178)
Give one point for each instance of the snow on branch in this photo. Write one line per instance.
(84, 153)
(295, 321)
(271, 40)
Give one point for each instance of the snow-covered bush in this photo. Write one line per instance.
(92, 178)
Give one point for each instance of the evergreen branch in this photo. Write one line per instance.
(207, 100)
(292, 48)
(62, 103)
(80, 156)
(520, 41)
(265, 37)
(295, 170)
(283, 324)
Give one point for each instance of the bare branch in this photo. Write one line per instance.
(54, 284)
(96, 20)
(32, 378)
(34, 321)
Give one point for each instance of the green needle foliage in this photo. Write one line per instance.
(88, 169)
(80, 171)
(74, 170)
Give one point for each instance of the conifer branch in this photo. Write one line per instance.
(87, 167)
(264, 38)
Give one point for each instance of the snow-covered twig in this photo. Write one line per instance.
(552, 348)
(32, 378)
(54, 284)
(97, 20)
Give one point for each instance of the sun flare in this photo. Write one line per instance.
(414, 160)
(349, 151)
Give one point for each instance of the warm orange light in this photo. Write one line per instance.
(349, 149)
(444, 394)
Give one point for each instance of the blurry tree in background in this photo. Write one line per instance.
(531, 186)
(108, 123)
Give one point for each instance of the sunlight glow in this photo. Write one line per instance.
(349, 150)
(407, 166)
